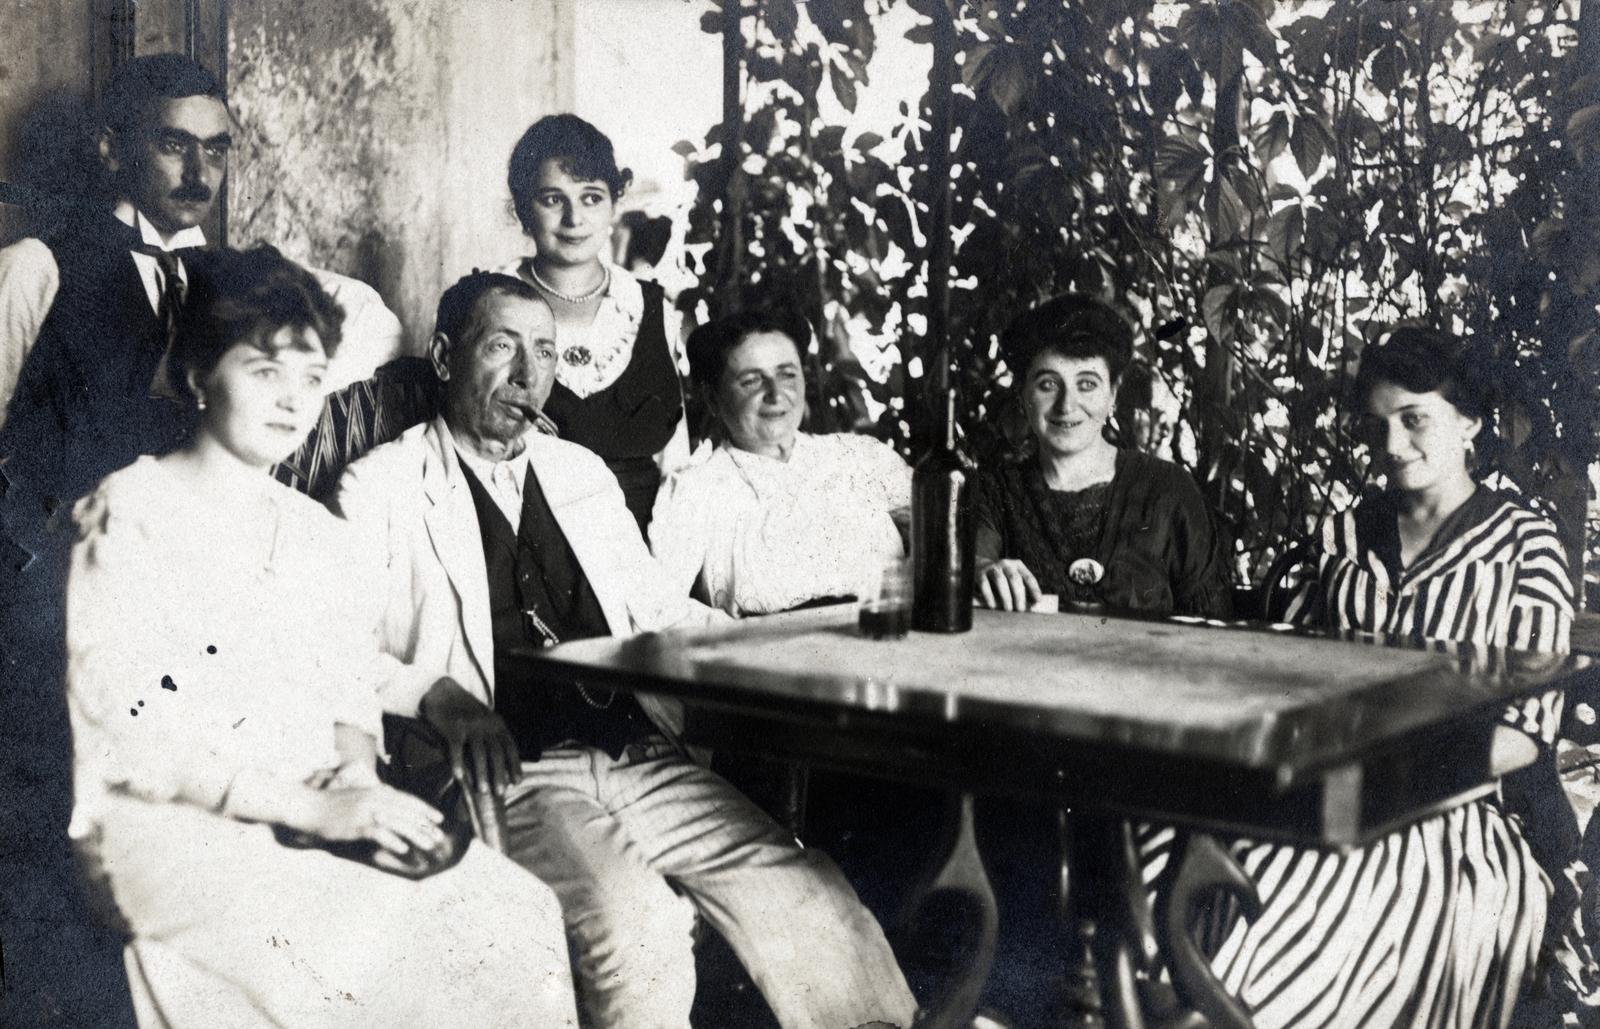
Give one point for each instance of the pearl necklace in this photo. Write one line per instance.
(572, 298)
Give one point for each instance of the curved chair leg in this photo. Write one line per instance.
(1138, 998)
(1121, 986)
(1204, 867)
(962, 872)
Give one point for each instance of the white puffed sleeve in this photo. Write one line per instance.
(681, 525)
(132, 729)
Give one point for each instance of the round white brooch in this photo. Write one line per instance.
(1086, 571)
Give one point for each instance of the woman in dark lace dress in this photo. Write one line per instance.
(1078, 517)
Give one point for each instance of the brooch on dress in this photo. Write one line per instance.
(577, 355)
(1086, 571)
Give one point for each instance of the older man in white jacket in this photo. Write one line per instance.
(500, 537)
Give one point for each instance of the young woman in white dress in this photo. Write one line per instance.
(221, 684)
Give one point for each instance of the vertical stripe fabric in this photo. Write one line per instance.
(362, 415)
(1501, 583)
(1435, 926)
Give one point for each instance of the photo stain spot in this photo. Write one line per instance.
(141, 703)
(211, 649)
(133, 711)
(235, 724)
(168, 684)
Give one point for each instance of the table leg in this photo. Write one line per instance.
(1117, 985)
(1100, 878)
(796, 791)
(961, 872)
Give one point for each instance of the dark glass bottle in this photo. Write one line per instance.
(942, 529)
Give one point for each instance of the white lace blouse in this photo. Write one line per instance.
(755, 535)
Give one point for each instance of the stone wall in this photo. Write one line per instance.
(374, 134)
(45, 74)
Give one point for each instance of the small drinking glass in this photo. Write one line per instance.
(889, 615)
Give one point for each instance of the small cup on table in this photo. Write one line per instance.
(888, 616)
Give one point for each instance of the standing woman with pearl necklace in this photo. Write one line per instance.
(617, 388)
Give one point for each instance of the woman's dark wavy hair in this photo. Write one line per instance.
(580, 149)
(1422, 360)
(710, 344)
(246, 297)
(1073, 326)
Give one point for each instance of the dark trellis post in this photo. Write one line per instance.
(1214, 389)
(730, 239)
(222, 75)
(1574, 489)
(941, 79)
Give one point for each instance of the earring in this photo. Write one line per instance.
(200, 402)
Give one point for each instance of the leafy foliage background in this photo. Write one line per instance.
(1263, 188)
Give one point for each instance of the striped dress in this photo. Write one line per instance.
(1494, 575)
(1436, 925)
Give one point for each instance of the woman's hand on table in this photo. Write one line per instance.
(1008, 585)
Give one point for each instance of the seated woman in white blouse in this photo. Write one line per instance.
(774, 518)
(222, 667)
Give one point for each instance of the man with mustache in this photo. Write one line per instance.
(87, 315)
(500, 538)
(85, 319)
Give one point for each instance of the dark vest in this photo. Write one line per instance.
(534, 570)
(82, 407)
(631, 420)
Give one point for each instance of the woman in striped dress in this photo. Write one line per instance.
(1438, 924)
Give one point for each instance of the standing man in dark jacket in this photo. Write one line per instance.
(85, 322)
(86, 317)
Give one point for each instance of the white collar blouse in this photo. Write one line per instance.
(755, 535)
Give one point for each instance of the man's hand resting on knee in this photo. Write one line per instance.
(483, 754)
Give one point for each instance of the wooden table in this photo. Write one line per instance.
(1255, 730)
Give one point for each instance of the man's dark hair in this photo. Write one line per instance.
(458, 308)
(1075, 327)
(580, 149)
(246, 297)
(1422, 360)
(710, 344)
(135, 86)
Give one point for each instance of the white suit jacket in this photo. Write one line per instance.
(411, 498)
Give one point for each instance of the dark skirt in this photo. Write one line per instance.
(640, 480)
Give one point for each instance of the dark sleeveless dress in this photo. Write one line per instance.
(631, 420)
